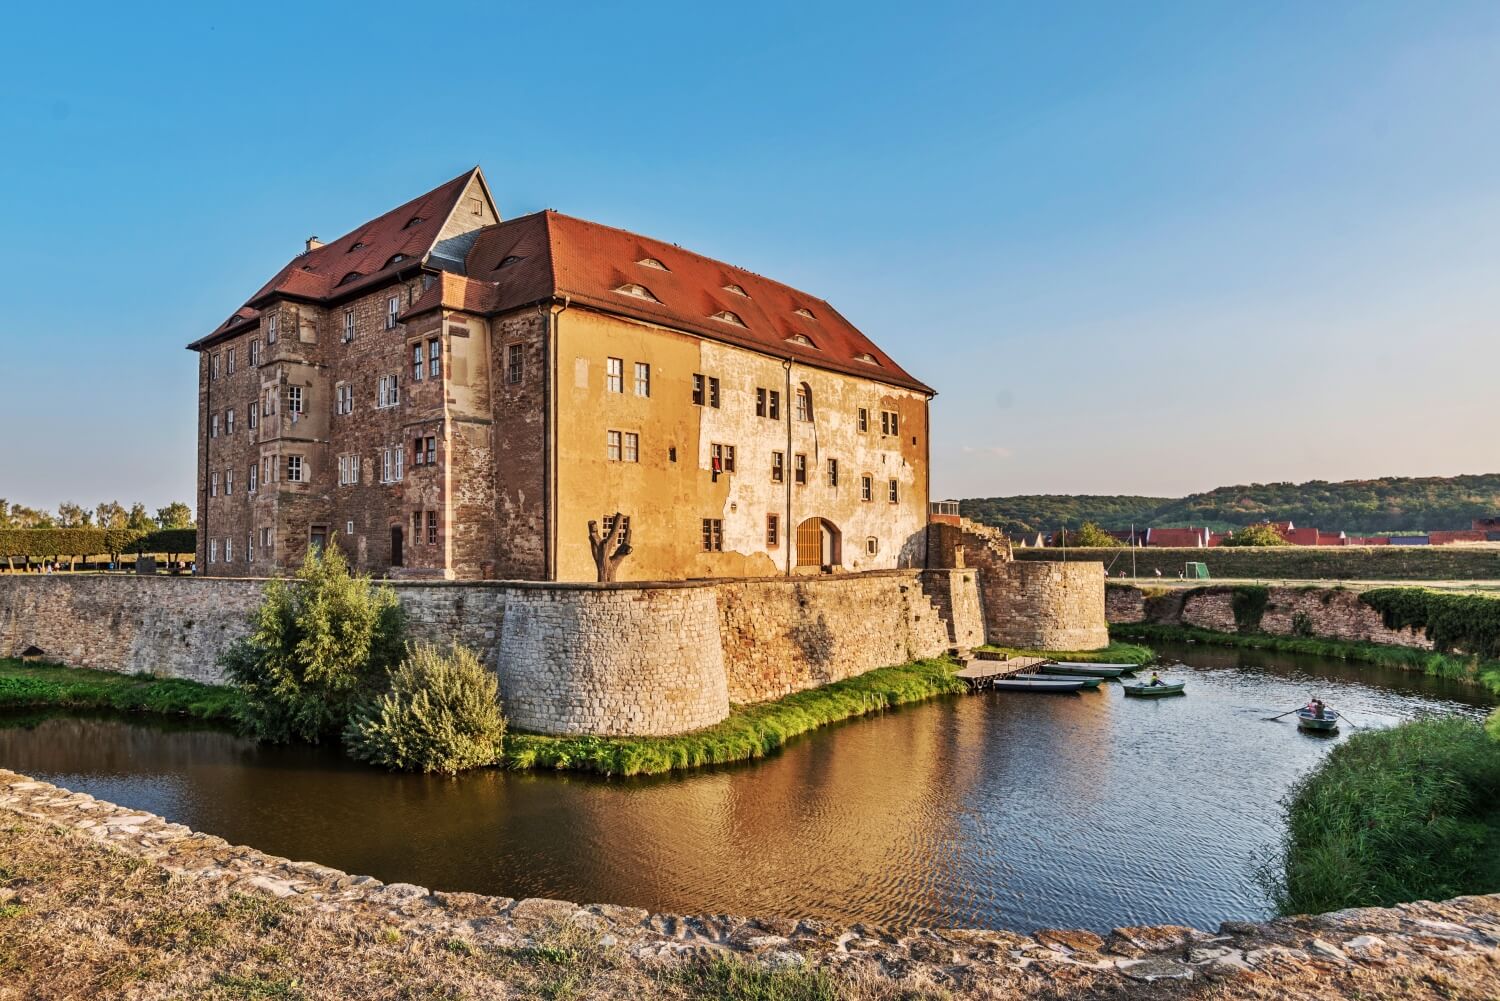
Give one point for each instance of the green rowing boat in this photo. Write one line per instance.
(1088, 670)
(1154, 691)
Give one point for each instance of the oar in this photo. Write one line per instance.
(1269, 719)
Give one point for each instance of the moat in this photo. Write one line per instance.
(1002, 810)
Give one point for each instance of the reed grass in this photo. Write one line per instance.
(33, 686)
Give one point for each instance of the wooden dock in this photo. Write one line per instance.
(981, 670)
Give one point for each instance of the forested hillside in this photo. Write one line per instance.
(1366, 506)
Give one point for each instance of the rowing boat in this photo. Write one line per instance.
(1088, 670)
(1038, 685)
(1088, 683)
(1154, 691)
(1328, 722)
(1127, 668)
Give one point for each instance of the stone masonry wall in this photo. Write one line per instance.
(571, 658)
(1046, 606)
(1329, 612)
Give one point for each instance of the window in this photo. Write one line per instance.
(713, 535)
(799, 469)
(713, 391)
(773, 531)
(266, 540)
(867, 358)
(432, 528)
(768, 403)
(270, 407)
(632, 447)
(348, 325)
(231, 361)
(623, 446)
(228, 550)
(890, 422)
(229, 421)
(294, 400)
(228, 482)
(863, 420)
(804, 403)
(213, 428)
(424, 451)
(387, 391)
(391, 462)
(613, 446)
(392, 307)
(872, 546)
(252, 482)
(778, 467)
(514, 364)
(253, 417)
(638, 291)
(651, 262)
(867, 488)
(434, 358)
(349, 525)
(895, 492)
(698, 396)
(273, 328)
(705, 390)
(614, 375)
(416, 362)
(833, 472)
(722, 458)
(294, 469)
(348, 470)
(213, 550)
(266, 470)
(250, 548)
(213, 484)
(642, 379)
(737, 290)
(804, 312)
(215, 366)
(255, 352)
(416, 527)
(725, 316)
(343, 398)
(801, 339)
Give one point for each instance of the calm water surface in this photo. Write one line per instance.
(1007, 810)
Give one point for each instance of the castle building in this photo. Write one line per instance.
(444, 394)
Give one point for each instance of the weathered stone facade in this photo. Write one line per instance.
(1425, 949)
(1329, 612)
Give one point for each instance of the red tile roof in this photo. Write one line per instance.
(1182, 538)
(358, 259)
(548, 254)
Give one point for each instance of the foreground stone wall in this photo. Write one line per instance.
(1329, 612)
(1420, 950)
(571, 658)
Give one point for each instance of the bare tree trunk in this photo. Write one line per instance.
(610, 550)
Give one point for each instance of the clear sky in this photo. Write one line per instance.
(1137, 248)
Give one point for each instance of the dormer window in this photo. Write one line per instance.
(395, 259)
(725, 316)
(638, 291)
(349, 278)
(508, 261)
(358, 245)
(737, 290)
(801, 339)
(651, 262)
(807, 313)
(867, 358)
(412, 222)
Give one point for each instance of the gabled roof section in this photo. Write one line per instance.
(559, 256)
(365, 256)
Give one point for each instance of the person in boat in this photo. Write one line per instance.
(1156, 681)
(1315, 706)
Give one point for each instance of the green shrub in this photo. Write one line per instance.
(1394, 815)
(1469, 623)
(1249, 604)
(440, 714)
(1255, 535)
(317, 647)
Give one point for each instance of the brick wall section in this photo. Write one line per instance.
(571, 658)
(1328, 612)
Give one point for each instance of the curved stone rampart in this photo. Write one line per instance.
(1045, 606)
(1418, 950)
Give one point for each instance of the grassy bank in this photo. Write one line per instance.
(1116, 653)
(750, 732)
(34, 686)
(1410, 813)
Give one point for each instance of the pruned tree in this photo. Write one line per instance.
(611, 547)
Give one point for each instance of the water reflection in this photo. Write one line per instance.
(1006, 810)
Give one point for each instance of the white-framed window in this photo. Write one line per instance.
(294, 400)
(267, 540)
(228, 482)
(890, 422)
(254, 351)
(215, 366)
(833, 472)
(273, 328)
(768, 403)
(642, 379)
(515, 363)
(862, 420)
(872, 546)
(867, 488)
(613, 445)
(230, 360)
(348, 325)
(799, 469)
(387, 391)
(392, 308)
(266, 471)
(229, 421)
(213, 550)
(705, 390)
(250, 548)
(432, 528)
(392, 464)
(348, 470)
(343, 401)
(773, 531)
(229, 550)
(434, 358)
(778, 467)
(722, 457)
(713, 535)
(252, 482)
(213, 484)
(416, 362)
(804, 404)
(296, 469)
(348, 528)
(614, 375)
(895, 492)
(253, 417)
(213, 429)
(632, 447)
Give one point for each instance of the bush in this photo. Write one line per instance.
(1255, 535)
(1466, 623)
(1090, 535)
(1394, 815)
(441, 714)
(317, 647)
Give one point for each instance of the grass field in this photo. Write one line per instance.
(33, 686)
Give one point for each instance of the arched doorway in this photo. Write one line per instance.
(819, 543)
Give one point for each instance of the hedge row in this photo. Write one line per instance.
(1456, 623)
(1299, 562)
(46, 543)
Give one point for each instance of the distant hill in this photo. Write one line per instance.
(1365, 506)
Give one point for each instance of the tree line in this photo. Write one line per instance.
(107, 515)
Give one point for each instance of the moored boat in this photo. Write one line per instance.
(1144, 691)
(1039, 685)
(1087, 670)
(1307, 720)
(1088, 683)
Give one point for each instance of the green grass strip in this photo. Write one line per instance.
(1115, 653)
(750, 732)
(34, 686)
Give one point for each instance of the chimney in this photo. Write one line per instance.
(313, 243)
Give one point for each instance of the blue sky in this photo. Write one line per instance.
(1137, 248)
